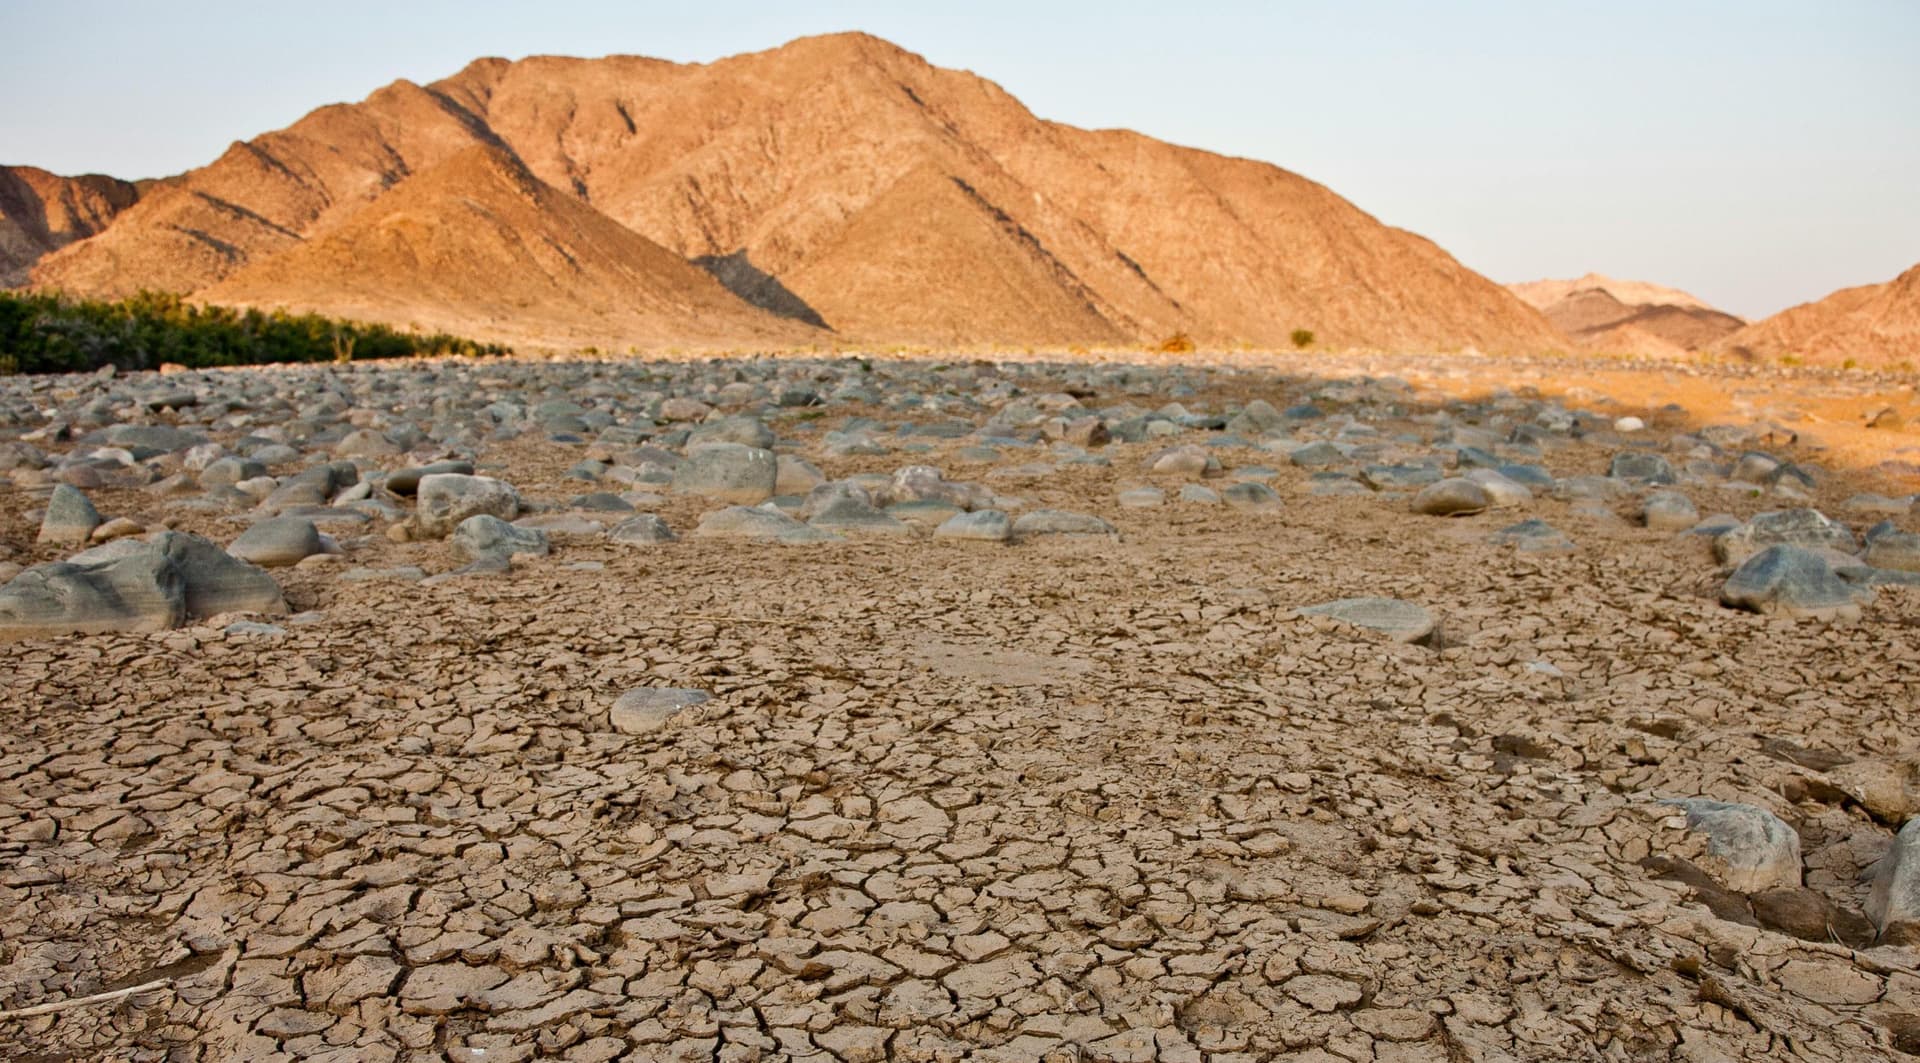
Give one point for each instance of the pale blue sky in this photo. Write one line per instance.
(1757, 153)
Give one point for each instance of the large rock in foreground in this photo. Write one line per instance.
(446, 499)
(135, 586)
(1789, 581)
(1894, 903)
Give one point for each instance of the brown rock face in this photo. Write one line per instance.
(1872, 325)
(1633, 317)
(479, 245)
(41, 212)
(836, 180)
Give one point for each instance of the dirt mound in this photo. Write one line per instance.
(480, 246)
(1872, 325)
(1628, 317)
(41, 212)
(843, 180)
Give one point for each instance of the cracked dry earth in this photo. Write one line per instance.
(1060, 799)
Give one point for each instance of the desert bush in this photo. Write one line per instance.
(1302, 338)
(1178, 343)
(47, 333)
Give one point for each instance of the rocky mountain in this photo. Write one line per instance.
(836, 181)
(478, 244)
(1872, 325)
(1603, 314)
(41, 212)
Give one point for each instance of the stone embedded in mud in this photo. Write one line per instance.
(1790, 581)
(728, 472)
(133, 586)
(1042, 523)
(986, 525)
(1668, 511)
(643, 530)
(278, 541)
(1747, 849)
(848, 512)
(648, 709)
(1251, 496)
(1185, 460)
(1806, 528)
(484, 536)
(1534, 537)
(1455, 497)
(1399, 620)
(407, 481)
(1894, 901)
(1896, 550)
(70, 517)
(755, 522)
(216, 581)
(446, 499)
(1641, 467)
(137, 592)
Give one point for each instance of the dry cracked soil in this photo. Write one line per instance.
(1064, 797)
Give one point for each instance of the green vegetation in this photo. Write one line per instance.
(1302, 338)
(54, 334)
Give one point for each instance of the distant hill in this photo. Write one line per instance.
(836, 181)
(1875, 325)
(41, 212)
(1603, 314)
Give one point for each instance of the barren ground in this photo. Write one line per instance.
(1072, 799)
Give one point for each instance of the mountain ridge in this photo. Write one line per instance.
(773, 160)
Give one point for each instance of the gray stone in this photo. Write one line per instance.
(1141, 498)
(643, 530)
(1749, 849)
(648, 709)
(447, 499)
(1251, 496)
(1668, 511)
(1400, 477)
(1205, 496)
(141, 591)
(742, 431)
(484, 536)
(795, 476)
(1808, 528)
(848, 510)
(1318, 455)
(216, 581)
(1641, 467)
(278, 541)
(924, 483)
(1894, 901)
(728, 472)
(70, 517)
(1399, 620)
(407, 481)
(1791, 581)
(985, 525)
(1186, 460)
(754, 522)
(1501, 491)
(1895, 550)
(1451, 498)
(1534, 537)
(1051, 522)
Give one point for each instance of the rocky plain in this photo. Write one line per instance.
(864, 709)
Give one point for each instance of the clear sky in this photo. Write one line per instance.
(1757, 153)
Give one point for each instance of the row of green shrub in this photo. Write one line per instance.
(41, 333)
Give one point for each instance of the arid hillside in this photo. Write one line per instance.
(41, 212)
(477, 242)
(836, 180)
(1600, 313)
(1872, 325)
